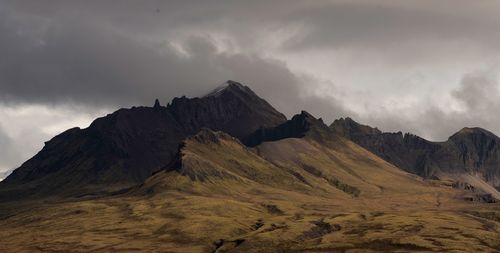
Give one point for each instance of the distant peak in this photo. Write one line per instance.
(349, 119)
(346, 120)
(347, 127)
(234, 83)
(473, 131)
(157, 104)
(229, 85)
(467, 130)
(306, 114)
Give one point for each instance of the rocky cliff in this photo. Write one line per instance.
(127, 146)
(471, 150)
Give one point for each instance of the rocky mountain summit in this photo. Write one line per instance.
(127, 146)
(231, 108)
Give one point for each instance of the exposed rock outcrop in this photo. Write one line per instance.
(470, 150)
(300, 125)
(233, 108)
(127, 146)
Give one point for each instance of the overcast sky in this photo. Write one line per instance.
(422, 66)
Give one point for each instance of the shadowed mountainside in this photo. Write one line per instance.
(473, 151)
(296, 186)
(300, 125)
(288, 195)
(318, 162)
(124, 148)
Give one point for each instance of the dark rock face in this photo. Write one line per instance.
(122, 147)
(482, 198)
(464, 186)
(127, 146)
(472, 150)
(476, 149)
(235, 109)
(349, 128)
(300, 125)
(408, 152)
(157, 104)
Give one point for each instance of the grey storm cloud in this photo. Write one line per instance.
(75, 60)
(99, 52)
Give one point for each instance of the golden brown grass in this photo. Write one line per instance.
(176, 222)
(245, 203)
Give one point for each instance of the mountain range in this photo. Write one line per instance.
(124, 148)
(471, 155)
(227, 172)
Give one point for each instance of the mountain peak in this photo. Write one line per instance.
(305, 114)
(347, 127)
(473, 131)
(307, 119)
(229, 85)
(157, 104)
(232, 108)
(125, 147)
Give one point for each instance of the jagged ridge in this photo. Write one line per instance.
(470, 150)
(127, 146)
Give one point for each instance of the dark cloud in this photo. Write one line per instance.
(87, 62)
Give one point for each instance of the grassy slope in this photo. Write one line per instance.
(283, 204)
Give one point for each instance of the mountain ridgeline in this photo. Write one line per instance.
(228, 173)
(124, 148)
(300, 125)
(472, 151)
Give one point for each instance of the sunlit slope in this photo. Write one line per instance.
(220, 196)
(214, 163)
(318, 166)
(346, 162)
(316, 193)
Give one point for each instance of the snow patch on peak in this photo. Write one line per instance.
(226, 85)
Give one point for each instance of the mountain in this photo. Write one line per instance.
(292, 194)
(471, 151)
(257, 195)
(124, 148)
(228, 173)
